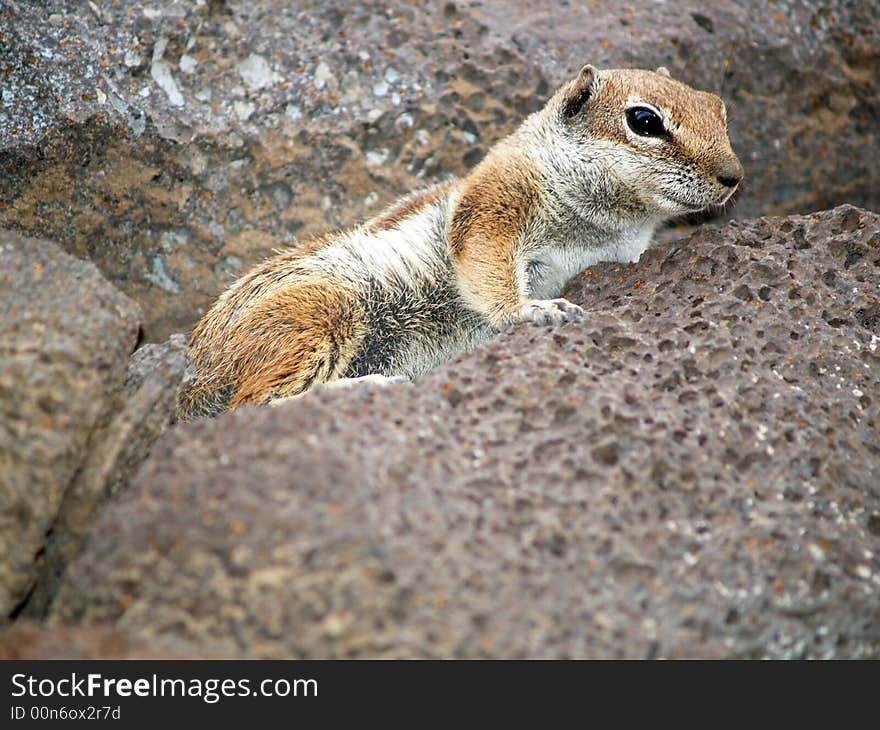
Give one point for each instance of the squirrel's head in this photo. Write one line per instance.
(664, 141)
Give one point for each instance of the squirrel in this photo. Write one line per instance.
(587, 178)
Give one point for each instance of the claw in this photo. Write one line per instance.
(547, 312)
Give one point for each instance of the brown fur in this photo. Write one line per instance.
(699, 119)
(497, 201)
(286, 325)
(280, 346)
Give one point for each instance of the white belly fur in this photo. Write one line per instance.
(559, 263)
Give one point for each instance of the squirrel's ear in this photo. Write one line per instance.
(663, 71)
(580, 90)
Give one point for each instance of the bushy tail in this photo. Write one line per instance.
(280, 345)
(199, 399)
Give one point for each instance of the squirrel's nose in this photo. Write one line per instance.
(730, 173)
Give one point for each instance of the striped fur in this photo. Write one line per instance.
(446, 267)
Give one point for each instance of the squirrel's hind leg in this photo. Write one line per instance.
(296, 338)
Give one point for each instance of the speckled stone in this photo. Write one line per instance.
(29, 640)
(141, 409)
(65, 338)
(691, 471)
(176, 143)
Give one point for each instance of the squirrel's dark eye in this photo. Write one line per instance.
(645, 122)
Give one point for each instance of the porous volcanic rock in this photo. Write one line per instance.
(176, 143)
(65, 338)
(141, 409)
(691, 471)
(30, 640)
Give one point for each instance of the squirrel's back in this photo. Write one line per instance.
(380, 298)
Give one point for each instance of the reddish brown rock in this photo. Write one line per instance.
(65, 338)
(77, 416)
(692, 471)
(29, 640)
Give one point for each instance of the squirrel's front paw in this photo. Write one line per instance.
(546, 311)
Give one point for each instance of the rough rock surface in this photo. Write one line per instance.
(141, 410)
(29, 640)
(175, 143)
(65, 338)
(693, 470)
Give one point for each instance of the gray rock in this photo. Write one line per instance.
(691, 471)
(120, 125)
(65, 338)
(141, 410)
